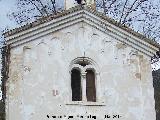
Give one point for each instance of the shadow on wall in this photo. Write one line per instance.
(156, 84)
(2, 110)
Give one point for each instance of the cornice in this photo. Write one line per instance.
(120, 34)
(46, 19)
(75, 16)
(42, 20)
(45, 28)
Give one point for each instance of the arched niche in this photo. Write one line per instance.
(90, 78)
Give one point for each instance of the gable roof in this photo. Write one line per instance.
(74, 9)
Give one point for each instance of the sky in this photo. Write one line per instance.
(5, 7)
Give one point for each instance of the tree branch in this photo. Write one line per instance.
(43, 7)
(36, 6)
(123, 11)
(131, 9)
(53, 5)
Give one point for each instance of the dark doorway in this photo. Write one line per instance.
(76, 85)
(90, 86)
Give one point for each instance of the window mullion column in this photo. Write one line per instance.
(98, 87)
(83, 84)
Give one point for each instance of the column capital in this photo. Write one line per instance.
(83, 74)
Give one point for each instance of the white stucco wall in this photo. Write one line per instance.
(40, 67)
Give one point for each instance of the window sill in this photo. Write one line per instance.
(86, 103)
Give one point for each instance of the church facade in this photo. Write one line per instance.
(79, 65)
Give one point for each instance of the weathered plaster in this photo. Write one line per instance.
(40, 67)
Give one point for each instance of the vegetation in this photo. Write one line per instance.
(156, 83)
(2, 110)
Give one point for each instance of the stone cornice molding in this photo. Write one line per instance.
(86, 16)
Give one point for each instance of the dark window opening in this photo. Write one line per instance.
(76, 85)
(83, 63)
(90, 86)
(79, 1)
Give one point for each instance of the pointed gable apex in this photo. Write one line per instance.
(77, 14)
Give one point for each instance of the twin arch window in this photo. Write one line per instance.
(78, 88)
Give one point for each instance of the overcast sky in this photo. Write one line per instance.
(5, 7)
